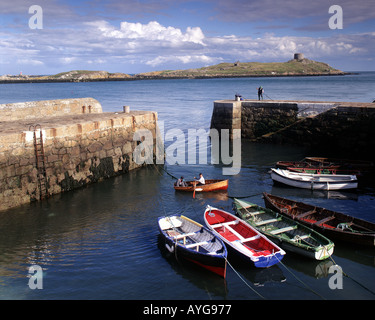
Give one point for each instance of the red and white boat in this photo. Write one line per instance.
(243, 238)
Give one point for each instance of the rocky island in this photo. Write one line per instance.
(299, 66)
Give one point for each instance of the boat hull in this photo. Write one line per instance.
(250, 244)
(184, 247)
(314, 181)
(290, 235)
(211, 185)
(327, 222)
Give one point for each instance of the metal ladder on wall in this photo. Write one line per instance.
(40, 162)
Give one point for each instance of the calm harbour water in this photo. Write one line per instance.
(102, 241)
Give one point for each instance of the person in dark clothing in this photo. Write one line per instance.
(181, 182)
(260, 92)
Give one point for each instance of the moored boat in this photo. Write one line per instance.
(314, 181)
(210, 185)
(243, 238)
(328, 165)
(348, 164)
(193, 242)
(305, 163)
(289, 234)
(334, 225)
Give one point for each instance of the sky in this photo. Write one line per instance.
(134, 36)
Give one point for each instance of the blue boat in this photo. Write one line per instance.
(191, 241)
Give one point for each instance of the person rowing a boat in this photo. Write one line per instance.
(201, 180)
(181, 182)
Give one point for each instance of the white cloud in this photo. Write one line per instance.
(97, 61)
(31, 62)
(182, 59)
(152, 31)
(67, 60)
(154, 45)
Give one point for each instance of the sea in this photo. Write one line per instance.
(102, 242)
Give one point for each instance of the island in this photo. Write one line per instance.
(298, 66)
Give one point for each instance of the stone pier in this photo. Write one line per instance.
(331, 128)
(82, 145)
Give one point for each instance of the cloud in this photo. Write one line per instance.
(152, 31)
(67, 60)
(31, 62)
(155, 45)
(182, 59)
(311, 14)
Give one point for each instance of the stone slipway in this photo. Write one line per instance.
(81, 146)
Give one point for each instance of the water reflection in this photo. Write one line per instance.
(212, 284)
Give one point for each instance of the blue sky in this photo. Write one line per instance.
(134, 36)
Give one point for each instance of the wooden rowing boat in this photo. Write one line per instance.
(289, 234)
(348, 164)
(243, 238)
(334, 225)
(193, 242)
(210, 185)
(328, 165)
(305, 163)
(314, 181)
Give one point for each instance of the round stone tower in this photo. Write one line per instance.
(298, 56)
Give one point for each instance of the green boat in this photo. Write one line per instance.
(288, 234)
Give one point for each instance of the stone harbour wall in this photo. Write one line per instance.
(48, 108)
(78, 150)
(339, 129)
(226, 115)
(258, 118)
(345, 131)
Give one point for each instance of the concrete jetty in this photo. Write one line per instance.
(53, 146)
(332, 128)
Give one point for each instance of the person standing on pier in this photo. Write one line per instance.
(260, 92)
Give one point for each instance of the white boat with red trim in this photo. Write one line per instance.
(243, 238)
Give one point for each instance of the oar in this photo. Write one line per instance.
(195, 184)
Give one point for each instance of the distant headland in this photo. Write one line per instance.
(298, 66)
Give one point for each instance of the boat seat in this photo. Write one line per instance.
(196, 244)
(183, 235)
(324, 220)
(305, 214)
(298, 238)
(281, 230)
(253, 213)
(251, 239)
(260, 223)
(224, 224)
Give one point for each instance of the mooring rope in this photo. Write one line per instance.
(310, 289)
(243, 280)
(357, 282)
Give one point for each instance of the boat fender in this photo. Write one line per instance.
(169, 248)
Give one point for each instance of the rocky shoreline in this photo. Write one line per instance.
(293, 68)
(31, 79)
